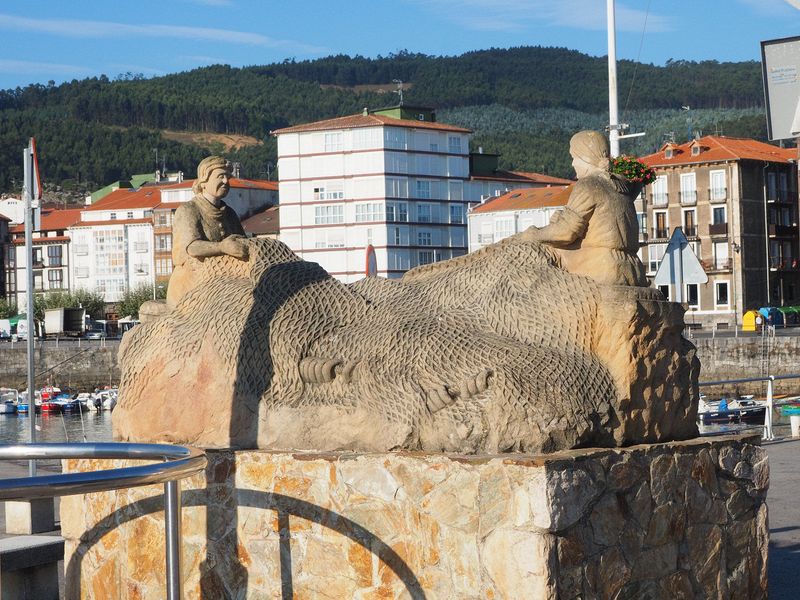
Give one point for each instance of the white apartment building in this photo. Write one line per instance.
(513, 212)
(112, 244)
(393, 179)
(51, 264)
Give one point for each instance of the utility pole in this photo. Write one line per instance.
(613, 109)
(32, 192)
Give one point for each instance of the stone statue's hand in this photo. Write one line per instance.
(234, 245)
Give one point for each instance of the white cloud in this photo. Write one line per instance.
(512, 15)
(27, 66)
(105, 29)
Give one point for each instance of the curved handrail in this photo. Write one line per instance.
(179, 462)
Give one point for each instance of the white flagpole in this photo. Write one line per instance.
(613, 109)
(28, 191)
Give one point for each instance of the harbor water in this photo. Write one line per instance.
(88, 426)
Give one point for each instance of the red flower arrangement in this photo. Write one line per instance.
(632, 169)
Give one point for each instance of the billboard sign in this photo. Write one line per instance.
(780, 67)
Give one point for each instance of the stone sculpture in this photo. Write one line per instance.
(203, 227)
(505, 349)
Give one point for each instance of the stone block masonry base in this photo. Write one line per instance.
(677, 520)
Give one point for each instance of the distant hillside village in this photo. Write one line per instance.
(383, 191)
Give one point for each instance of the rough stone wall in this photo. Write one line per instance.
(85, 366)
(492, 352)
(684, 520)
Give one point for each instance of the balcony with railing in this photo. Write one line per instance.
(485, 238)
(717, 264)
(690, 232)
(660, 234)
(660, 198)
(140, 246)
(718, 229)
(718, 194)
(81, 249)
(784, 196)
(783, 263)
(688, 197)
(775, 230)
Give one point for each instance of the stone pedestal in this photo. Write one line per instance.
(677, 520)
(24, 517)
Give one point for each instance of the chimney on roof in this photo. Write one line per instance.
(480, 149)
(365, 112)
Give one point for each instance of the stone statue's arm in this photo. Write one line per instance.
(233, 245)
(569, 224)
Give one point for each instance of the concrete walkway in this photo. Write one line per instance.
(783, 502)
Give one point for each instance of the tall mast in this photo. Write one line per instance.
(613, 110)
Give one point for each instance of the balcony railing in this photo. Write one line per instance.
(781, 196)
(718, 194)
(81, 249)
(688, 198)
(718, 229)
(717, 264)
(485, 238)
(660, 198)
(783, 262)
(660, 234)
(782, 230)
(690, 231)
(140, 246)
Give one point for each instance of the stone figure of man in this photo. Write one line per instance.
(597, 233)
(205, 226)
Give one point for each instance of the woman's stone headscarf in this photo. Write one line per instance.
(592, 147)
(204, 170)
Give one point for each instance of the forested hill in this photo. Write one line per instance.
(521, 102)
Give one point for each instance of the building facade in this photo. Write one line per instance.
(51, 256)
(512, 213)
(393, 179)
(736, 202)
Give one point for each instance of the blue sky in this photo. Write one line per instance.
(57, 40)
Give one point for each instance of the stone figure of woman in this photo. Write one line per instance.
(596, 234)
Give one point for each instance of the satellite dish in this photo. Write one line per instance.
(371, 262)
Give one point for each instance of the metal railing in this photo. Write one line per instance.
(178, 463)
(770, 379)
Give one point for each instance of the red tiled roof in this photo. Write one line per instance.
(43, 240)
(125, 198)
(717, 148)
(362, 120)
(265, 222)
(113, 222)
(523, 177)
(54, 219)
(526, 198)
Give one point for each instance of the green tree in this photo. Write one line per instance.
(7, 309)
(133, 299)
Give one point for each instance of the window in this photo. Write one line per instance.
(456, 190)
(424, 238)
(396, 162)
(772, 186)
(396, 187)
(38, 284)
(718, 189)
(331, 191)
(721, 260)
(655, 253)
(425, 257)
(333, 142)
(689, 223)
(660, 231)
(503, 228)
(394, 236)
(424, 213)
(395, 138)
(423, 189)
(397, 212)
(718, 215)
(164, 219)
(130, 214)
(721, 293)
(692, 295)
(113, 217)
(664, 289)
(329, 239)
(688, 189)
(329, 215)
(641, 218)
(372, 211)
(55, 279)
(163, 242)
(457, 213)
(163, 267)
(38, 262)
(660, 191)
(454, 144)
(54, 256)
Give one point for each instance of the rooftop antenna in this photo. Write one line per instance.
(399, 90)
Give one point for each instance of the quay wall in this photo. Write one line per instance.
(84, 365)
(91, 364)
